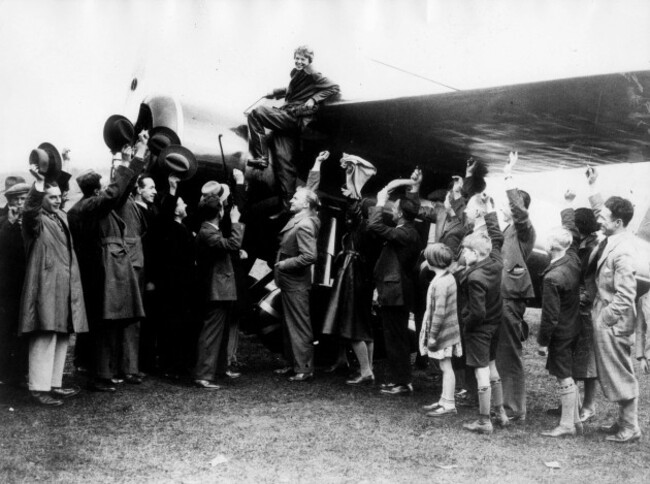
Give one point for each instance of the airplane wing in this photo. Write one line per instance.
(553, 124)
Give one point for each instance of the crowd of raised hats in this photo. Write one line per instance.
(134, 268)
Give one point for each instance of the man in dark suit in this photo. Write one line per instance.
(218, 288)
(394, 277)
(13, 350)
(296, 255)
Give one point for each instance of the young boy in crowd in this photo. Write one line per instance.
(560, 325)
(481, 315)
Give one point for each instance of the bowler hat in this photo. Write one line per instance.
(48, 160)
(17, 189)
(118, 131)
(177, 160)
(215, 189)
(160, 138)
(10, 181)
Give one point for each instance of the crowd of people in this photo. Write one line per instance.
(125, 270)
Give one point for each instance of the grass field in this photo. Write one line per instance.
(265, 429)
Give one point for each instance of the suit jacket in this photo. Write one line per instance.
(480, 285)
(216, 274)
(615, 281)
(642, 343)
(297, 252)
(518, 243)
(394, 272)
(561, 291)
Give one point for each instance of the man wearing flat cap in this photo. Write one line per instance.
(10, 181)
(307, 89)
(111, 262)
(13, 351)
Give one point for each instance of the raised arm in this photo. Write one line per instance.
(520, 218)
(218, 241)
(313, 179)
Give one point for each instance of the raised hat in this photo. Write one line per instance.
(10, 181)
(215, 189)
(160, 138)
(118, 131)
(48, 159)
(177, 160)
(17, 189)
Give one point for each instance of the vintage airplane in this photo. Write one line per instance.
(557, 127)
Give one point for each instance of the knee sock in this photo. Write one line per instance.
(497, 393)
(568, 399)
(484, 398)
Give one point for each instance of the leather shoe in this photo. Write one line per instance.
(398, 390)
(133, 379)
(45, 399)
(260, 163)
(103, 386)
(480, 426)
(442, 411)
(301, 377)
(61, 392)
(610, 429)
(431, 406)
(283, 371)
(586, 414)
(560, 431)
(361, 380)
(232, 374)
(625, 435)
(206, 385)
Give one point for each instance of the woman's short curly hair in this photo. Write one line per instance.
(305, 51)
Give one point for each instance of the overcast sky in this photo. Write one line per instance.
(67, 65)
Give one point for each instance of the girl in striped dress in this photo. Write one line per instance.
(440, 334)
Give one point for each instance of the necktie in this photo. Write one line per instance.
(599, 252)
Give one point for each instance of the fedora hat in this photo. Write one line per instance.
(118, 131)
(160, 138)
(215, 189)
(17, 189)
(177, 160)
(48, 160)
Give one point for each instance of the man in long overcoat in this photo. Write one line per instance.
(613, 312)
(110, 256)
(52, 304)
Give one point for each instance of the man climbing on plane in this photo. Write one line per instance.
(306, 91)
